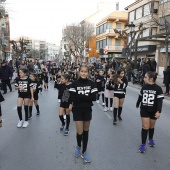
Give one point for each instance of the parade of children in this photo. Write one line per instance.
(79, 87)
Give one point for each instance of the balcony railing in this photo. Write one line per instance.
(114, 48)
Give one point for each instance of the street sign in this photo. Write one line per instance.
(105, 51)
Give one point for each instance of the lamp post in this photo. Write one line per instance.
(131, 27)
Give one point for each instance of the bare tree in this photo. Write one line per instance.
(77, 35)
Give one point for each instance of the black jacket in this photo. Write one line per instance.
(6, 72)
(166, 76)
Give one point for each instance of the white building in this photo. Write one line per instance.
(52, 51)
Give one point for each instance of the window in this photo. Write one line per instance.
(163, 1)
(97, 45)
(146, 32)
(154, 31)
(147, 9)
(101, 44)
(97, 31)
(118, 42)
(105, 27)
(132, 16)
(139, 13)
(104, 43)
(101, 29)
(118, 25)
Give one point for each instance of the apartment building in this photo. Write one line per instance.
(152, 14)
(52, 51)
(107, 38)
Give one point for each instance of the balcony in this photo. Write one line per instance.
(112, 48)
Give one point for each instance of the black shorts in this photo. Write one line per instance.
(82, 114)
(147, 114)
(24, 96)
(120, 96)
(35, 96)
(64, 105)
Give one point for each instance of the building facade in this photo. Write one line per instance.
(108, 43)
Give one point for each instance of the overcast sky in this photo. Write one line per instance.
(41, 19)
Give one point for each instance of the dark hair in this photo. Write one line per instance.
(35, 75)
(84, 66)
(152, 74)
(24, 70)
(119, 71)
(66, 76)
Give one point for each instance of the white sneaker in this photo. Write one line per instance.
(103, 104)
(111, 109)
(97, 101)
(59, 100)
(25, 124)
(105, 109)
(20, 123)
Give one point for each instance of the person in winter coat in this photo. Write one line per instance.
(6, 74)
(166, 80)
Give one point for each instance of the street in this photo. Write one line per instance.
(42, 146)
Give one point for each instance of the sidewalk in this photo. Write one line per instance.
(159, 82)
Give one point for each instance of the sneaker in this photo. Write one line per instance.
(142, 148)
(77, 151)
(111, 109)
(97, 101)
(120, 118)
(44, 89)
(20, 123)
(151, 143)
(86, 157)
(62, 128)
(38, 113)
(25, 124)
(103, 104)
(114, 121)
(59, 100)
(30, 118)
(105, 109)
(66, 132)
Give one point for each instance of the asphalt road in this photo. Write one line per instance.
(42, 146)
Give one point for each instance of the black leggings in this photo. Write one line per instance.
(107, 100)
(167, 88)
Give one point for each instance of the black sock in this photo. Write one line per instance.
(19, 109)
(144, 135)
(67, 121)
(62, 119)
(98, 97)
(151, 133)
(50, 78)
(40, 89)
(26, 113)
(30, 111)
(103, 97)
(47, 87)
(44, 87)
(85, 140)
(79, 139)
(111, 102)
(54, 79)
(37, 107)
(119, 111)
(106, 99)
(115, 113)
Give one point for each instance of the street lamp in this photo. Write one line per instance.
(131, 27)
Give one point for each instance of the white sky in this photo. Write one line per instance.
(41, 19)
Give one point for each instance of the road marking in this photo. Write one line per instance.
(14, 108)
(105, 112)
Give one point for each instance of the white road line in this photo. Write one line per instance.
(14, 108)
(104, 112)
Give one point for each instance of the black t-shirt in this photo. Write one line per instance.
(121, 88)
(151, 97)
(26, 84)
(36, 86)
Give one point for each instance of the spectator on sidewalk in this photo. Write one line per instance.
(6, 74)
(128, 70)
(22, 65)
(166, 80)
(145, 69)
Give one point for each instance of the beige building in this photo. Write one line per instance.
(151, 14)
(107, 39)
